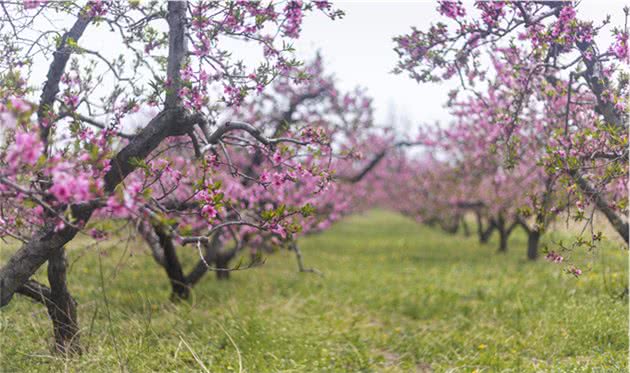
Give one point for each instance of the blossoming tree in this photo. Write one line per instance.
(556, 69)
(335, 125)
(68, 152)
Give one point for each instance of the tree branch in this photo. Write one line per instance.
(602, 205)
(56, 70)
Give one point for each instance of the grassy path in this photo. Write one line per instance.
(395, 297)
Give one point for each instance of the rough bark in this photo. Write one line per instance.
(176, 19)
(599, 83)
(61, 306)
(533, 236)
(450, 227)
(57, 299)
(64, 313)
(503, 240)
(181, 284)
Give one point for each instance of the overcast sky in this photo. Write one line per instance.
(359, 50)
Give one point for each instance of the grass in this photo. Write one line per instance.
(396, 296)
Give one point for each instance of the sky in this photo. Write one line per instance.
(359, 50)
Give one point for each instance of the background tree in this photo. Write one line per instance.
(558, 63)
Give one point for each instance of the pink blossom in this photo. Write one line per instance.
(293, 13)
(32, 4)
(19, 104)
(71, 100)
(575, 271)
(278, 179)
(97, 8)
(277, 157)
(620, 47)
(554, 257)
(279, 230)
(209, 211)
(70, 187)
(264, 177)
(7, 120)
(452, 9)
(114, 207)
(25, 150)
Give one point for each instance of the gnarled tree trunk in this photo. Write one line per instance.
(61, 306)
(63, 310)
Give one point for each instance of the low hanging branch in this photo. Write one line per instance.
(602, 205)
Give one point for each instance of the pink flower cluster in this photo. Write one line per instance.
(452, 9)
(208, 205)
(124, 204)
(69, 186)
(574, 271)
(32, 4)
(554, 257)
(620, 47)
(25, 150)
(293, 22)
(97, 8)
(491, 11)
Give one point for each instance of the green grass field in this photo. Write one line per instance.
(396, 296)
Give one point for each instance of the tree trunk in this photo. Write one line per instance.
(503, 240)
(450, 227)
(209, 256)
(222, 263)
(503, 233)
(150, 237)
(180, 288)
(63, 308)
(533, 238)
(484, 234)
(17, 271)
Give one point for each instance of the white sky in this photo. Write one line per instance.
(359, 50)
